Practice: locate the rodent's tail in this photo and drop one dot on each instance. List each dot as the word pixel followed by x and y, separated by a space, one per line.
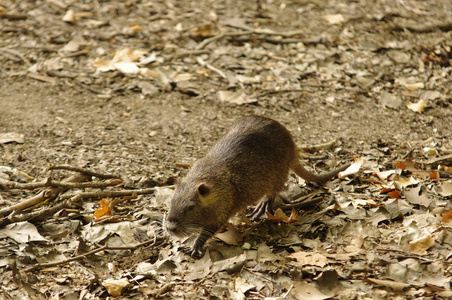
pixel 320 178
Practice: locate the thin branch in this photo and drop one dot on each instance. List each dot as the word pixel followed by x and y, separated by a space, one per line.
pixel 248 32
pixel 84 171
pixel 63 262
pixel 105 247
pixel 49 193
pixel 414 10
pixel 112 193
pixel 441 159
pixel 36 216
pixel 16 53
pixel 210 67
pixel 314 148
pixel 6 184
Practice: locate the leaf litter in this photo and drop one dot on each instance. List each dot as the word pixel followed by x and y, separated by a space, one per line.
pixel 381 231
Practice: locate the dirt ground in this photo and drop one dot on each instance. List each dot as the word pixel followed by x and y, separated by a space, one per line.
pixel 373 75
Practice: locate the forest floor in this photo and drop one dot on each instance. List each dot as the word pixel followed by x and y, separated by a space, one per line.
pixel 141 89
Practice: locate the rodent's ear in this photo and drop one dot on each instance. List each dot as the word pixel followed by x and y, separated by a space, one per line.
pixel 203 190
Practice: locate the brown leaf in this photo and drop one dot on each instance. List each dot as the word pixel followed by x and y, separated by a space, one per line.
pixel 309 258
pixel 397 286
pixel 105 209
pixel 394 194
pixel 400 165
pixel 421 245
pixel 231 236
pixel 280 216
pixel 446 218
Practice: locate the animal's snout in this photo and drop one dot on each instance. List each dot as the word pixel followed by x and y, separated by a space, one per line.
pixel 171 219
pixel 172 224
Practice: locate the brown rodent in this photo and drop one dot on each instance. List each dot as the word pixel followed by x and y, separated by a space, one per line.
pixel 251 161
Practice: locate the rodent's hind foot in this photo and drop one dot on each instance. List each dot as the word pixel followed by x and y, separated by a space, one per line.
pixel 258 212
pixel 191 251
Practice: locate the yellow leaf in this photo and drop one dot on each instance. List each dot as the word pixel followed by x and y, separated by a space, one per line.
pixel 417 107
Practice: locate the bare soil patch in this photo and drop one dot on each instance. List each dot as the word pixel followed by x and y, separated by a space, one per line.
pixel 373 75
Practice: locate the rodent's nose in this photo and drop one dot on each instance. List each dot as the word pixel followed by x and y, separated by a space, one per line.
pixel 171 226
pixel 171 219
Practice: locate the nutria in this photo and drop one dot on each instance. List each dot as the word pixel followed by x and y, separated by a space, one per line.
pixel 251 161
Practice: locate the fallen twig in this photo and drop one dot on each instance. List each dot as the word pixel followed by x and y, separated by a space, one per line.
pixel 15 17
pixel 181 54
pixel 38 77
pixel 84 171
pixel 16 53
pixel 440 159
pixel 210 67
pixel 6 184
pixel 36 216
pixel 122 193
pixel 314 148
pixel 414 10
pixel 46 194
pixel 105 247
pixel 254 31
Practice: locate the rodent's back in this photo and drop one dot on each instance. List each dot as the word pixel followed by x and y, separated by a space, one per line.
pixel 257 153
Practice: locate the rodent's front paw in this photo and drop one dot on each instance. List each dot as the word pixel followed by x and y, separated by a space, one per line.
pixel 193 252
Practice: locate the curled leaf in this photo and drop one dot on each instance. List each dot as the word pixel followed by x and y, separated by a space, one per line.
pixel 105 209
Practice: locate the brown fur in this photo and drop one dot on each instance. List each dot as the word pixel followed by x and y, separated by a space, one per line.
pixel 251 161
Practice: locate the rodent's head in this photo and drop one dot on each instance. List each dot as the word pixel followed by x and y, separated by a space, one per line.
pixel 193 207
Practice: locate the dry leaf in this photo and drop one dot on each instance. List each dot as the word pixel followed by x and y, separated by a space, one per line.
pixel 430 151
pixel 394 194
pixel 69 16
pixel 390 100
pixel 202 32
pixel 114 287
pixel 10 137
pixel 353 169
pixel 124 61
pixel 446 218
pixel 235 97
pixel 22 232
pixel 417 107
pixel 385 174
pixel 417 195
pixel 445 169
pixel 414 86
pixel 396 286
pixel 136 28
pixel 434 175
pixel 400 165
pixel 309 258
pixel 242 286
pixel 305 291
pixel 402 182
pixel 280 216
pixel 421 245
pixel 334 19
pixel 105 209
pixel 446 189
pixel 231 236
